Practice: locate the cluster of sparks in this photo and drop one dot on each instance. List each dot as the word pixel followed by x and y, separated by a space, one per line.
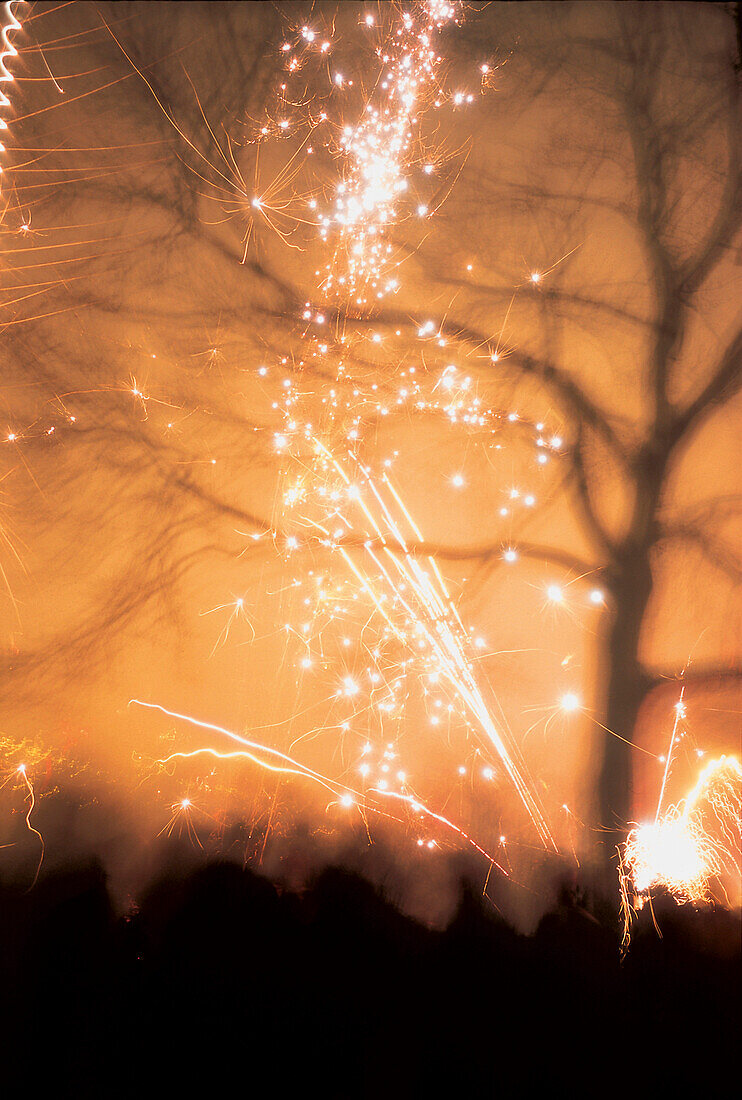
pixel 378 618
pixel 377 589
pixel 381 157
pixel 691 847
pixel 693 841
pixel 411 627
pixel 377 593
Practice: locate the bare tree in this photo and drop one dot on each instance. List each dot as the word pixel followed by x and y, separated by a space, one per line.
pixel 640 110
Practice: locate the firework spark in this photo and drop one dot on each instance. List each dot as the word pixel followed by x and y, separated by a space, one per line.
pixel 382 153
pixel 388 600
pixel 414 604
pixel 366 800
pixel 691 847
pixel 368 619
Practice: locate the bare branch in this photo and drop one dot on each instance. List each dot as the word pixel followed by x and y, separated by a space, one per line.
pixel 652 216
pixel 719 508
pixel 718 552
pixel 729 215
pixel 570 394
pixel 710 677
pixel 725 381
pixel 488 553
pixel 585 495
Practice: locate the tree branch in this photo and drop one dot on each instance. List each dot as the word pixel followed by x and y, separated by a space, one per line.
pixel 489 552
pixel 725 381
pixel 729 215
pixel 585 495
pixel 571 395
pixel 718 552
pixel 708 676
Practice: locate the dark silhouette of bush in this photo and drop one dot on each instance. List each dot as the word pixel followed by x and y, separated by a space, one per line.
pixel 220 982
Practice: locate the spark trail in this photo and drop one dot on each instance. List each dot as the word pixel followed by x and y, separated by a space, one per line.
pixel 10 27
pixel 22 772
pixel 415 604
pixel 272 760
pixel 394 602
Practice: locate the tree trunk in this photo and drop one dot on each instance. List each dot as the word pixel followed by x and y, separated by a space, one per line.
pixel 627 686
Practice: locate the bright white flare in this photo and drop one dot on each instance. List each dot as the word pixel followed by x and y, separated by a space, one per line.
pixel 698 840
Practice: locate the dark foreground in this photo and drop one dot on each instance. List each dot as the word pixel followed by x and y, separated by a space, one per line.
pixel 218 986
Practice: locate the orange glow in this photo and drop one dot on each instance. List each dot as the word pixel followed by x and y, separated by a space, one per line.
pixel 328 416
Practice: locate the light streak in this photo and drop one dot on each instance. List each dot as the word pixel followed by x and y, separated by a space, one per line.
pixel 419 807
pixel 263 755
pixel 10 26
pixel 412 601
pixel 679 713
pixel 273 760
pixel 22 772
